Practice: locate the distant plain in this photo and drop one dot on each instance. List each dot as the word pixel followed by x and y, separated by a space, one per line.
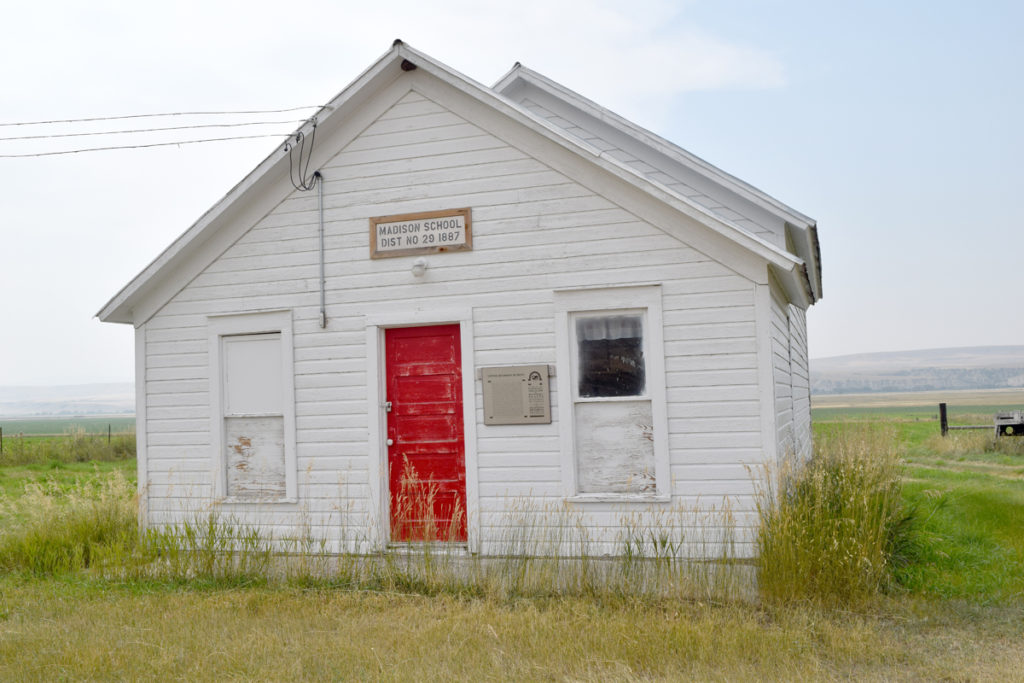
pixel 974 406
pixel 57 426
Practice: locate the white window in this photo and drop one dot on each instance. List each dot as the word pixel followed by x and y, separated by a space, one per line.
pixel 612 393
pixel 253 407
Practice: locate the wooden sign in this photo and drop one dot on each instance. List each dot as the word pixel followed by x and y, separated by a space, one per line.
pixel 421 233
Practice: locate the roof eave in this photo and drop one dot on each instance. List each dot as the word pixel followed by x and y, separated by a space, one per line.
pixel 796 284
pixel 815 249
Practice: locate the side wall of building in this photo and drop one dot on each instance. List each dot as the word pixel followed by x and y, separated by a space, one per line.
pixel 801 382
pixel 791 377
pixel 782 371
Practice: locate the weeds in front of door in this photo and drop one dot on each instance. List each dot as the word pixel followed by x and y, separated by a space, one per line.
pixel 419 513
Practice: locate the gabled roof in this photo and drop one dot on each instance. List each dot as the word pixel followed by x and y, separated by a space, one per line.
pixel 177 264
pixel 662 161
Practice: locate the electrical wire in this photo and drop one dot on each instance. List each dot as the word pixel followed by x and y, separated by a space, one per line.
pixel 149 130
pixel 299 180
pixel 142 146
pixel 175 113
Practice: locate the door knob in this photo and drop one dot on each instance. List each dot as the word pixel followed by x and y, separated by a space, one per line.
pixel 391 442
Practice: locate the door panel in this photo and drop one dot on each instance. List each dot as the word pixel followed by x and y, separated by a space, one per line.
pixel 427 455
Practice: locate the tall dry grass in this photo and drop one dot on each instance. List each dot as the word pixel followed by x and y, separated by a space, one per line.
pixel 538 551
pixel 834 528
pixel 831 531
pixel 962 443
pixel 61 630
pixel 51 529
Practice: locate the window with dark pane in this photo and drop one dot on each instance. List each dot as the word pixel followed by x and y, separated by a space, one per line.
pixel 611 354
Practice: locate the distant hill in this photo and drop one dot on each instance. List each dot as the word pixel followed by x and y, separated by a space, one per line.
pixel 77 399
pixel 975 367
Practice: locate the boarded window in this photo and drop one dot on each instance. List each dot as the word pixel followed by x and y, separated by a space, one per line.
pixel 253 391
pixel 615 447
pixel 614 427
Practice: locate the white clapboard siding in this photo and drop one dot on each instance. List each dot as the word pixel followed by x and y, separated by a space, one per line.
pixel 801 381
pixel 783 376
pixel 535 230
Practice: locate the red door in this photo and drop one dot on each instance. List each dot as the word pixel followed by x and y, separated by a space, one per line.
pixel 426 451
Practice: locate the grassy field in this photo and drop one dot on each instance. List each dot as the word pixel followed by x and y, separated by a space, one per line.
pixel 955 611
pixel 75 630
pixel 44 441
pixel 967 488
pixel 51 426
pixel 13 478
pixel 964 407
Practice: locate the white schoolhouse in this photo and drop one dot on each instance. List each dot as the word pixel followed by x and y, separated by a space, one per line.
pixel 499 296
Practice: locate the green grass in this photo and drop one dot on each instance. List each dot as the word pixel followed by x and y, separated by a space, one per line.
pixel 974 524
pixel 13 478
pixel 967 491
pixel 972 554
pixel 75 445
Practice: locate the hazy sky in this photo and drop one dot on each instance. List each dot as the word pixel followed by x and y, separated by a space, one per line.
pixel 896 125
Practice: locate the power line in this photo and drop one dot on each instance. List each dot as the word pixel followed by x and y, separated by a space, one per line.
pixel 175 113
pixel 148 130
pixel 152 144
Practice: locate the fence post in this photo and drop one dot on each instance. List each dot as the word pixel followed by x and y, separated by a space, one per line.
pixel 108 434
pixel 943 421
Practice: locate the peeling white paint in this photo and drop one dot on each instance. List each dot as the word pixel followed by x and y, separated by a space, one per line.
pixel 615 447
pixel 255 457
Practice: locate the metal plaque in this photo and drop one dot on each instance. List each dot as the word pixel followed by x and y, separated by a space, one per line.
pixel 516 395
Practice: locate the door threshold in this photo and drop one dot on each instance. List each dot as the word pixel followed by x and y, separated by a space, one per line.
pixel 428 548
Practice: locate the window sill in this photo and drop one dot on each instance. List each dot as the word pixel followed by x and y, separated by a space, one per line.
pixel 612 399
pixel 617 498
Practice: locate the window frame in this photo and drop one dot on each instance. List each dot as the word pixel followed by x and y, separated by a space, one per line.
pixel 244 324
pixel 571 305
